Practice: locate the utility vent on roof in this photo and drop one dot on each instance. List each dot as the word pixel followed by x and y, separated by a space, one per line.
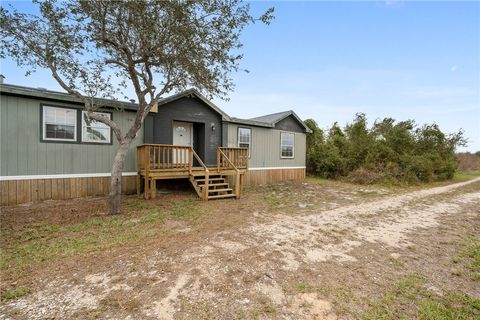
pixel 40 88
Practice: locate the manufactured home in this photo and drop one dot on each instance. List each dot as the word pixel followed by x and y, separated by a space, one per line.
pixel 49 150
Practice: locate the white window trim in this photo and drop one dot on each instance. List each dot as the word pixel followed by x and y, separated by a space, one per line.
pixel 44 125
pixel 84 139
pixel 293 146
pixel 249 141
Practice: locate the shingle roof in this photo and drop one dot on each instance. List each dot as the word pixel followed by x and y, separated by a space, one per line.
pixel 59 96
pixel 273 117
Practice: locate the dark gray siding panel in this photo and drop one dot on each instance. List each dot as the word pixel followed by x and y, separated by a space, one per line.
pixel 224 134
pixel 290 124
pixel 148 125
pixel 190 110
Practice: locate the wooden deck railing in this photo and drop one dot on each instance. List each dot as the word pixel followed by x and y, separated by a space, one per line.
pixel 238 157
pixel 156 157
pixel 166 157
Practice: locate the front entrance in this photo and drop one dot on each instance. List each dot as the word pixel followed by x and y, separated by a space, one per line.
pixel 182 136
pixel 182 133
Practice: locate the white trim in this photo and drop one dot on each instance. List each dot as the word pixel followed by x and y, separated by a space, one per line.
pixel 100 126
pixel 275 168
pixel 44 124
pixel 249 140
pixel 64 176
pixel 281 145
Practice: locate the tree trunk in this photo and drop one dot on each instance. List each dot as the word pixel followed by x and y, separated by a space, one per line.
pixel 116 180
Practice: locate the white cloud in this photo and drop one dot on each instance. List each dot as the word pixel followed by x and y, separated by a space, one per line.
pixel 454 68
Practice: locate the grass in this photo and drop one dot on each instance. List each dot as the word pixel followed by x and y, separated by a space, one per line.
pixel 453 306
pixel 15 293
pixel 459 176
pixel 273 201
pixel 466 175
pixel 45 242
pixel 470 257
pixel 343 298
pixel 409 299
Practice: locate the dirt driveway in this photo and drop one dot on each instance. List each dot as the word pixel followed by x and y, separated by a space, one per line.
pixel 308 258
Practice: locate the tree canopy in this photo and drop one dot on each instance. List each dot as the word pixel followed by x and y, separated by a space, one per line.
pixel 96 48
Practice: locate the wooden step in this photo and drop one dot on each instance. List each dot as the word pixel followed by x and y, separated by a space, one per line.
pixel 220 196
pixel 210 179
pixel 214 184
pixel 220 190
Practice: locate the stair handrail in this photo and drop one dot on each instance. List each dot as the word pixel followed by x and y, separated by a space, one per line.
pixel 228 160
pixel 238 179
pixel 205 168
pixel 205 188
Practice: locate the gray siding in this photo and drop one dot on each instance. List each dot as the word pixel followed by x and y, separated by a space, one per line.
pixel 265 150
pixel 289 124
pixel 22 153
pixel 159 128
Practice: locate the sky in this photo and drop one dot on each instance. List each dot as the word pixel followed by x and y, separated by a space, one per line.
pixel 330 60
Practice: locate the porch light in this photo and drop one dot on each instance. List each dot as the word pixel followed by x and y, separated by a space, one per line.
pixel 213 126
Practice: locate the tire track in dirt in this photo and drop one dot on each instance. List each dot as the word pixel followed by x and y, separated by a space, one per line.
pixel 214 269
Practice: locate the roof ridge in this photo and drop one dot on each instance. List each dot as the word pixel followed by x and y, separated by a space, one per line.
pixel 272 114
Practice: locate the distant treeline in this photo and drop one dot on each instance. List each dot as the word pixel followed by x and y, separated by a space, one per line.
pixel 468 161
pixel 388 151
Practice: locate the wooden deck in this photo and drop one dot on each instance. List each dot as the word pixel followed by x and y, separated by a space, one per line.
pixel 160 161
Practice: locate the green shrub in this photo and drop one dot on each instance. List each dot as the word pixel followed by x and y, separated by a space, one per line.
pixel 389 151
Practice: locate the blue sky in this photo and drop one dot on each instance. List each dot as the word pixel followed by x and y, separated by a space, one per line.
pixel 330 60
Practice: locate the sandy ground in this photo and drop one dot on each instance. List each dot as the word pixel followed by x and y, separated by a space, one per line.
pixel 249 271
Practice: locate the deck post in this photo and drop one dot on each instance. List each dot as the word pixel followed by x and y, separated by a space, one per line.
pixel 147 167
pixel 190 160
pixel 153 188
pixel 238 185
pixel 205 186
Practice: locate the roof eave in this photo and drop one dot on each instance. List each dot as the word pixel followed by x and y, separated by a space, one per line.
pixel 59 96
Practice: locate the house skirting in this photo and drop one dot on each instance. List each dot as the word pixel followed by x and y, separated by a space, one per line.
pixel 25 189
pixel 258 176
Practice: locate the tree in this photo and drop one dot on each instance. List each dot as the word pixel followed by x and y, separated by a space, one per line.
pixel 96 48
pixel 314 142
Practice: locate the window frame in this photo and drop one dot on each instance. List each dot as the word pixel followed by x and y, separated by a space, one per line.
pixel 281 145
pixel 43 131
pixel 82 141
pixel 249 142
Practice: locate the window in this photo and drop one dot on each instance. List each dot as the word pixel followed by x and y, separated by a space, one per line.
pixel 245 138
pixel 94 131
pixel 59 124
pixel 287 144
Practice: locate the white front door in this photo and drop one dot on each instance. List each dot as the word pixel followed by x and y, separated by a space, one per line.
pixel 182 136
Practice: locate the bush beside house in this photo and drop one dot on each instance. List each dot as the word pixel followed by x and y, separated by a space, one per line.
pixel 388 151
